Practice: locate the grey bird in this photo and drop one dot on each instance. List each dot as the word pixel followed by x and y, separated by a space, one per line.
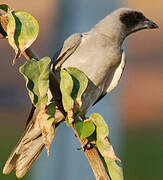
pixel 99 55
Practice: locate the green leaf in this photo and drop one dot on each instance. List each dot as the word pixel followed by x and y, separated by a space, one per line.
pixel 102 132
pixel 102 129
pixel 22 30
pixel 80 83
pixel 84 129
pixel 72 84
pixel 36 74
pixel 66 86
pixel 115 171
pixel 51 109
pixel 4 7
pixel 105 148
pixel 27 29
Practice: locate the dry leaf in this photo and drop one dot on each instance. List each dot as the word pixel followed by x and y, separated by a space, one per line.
pixel 47 129
pixel 108 150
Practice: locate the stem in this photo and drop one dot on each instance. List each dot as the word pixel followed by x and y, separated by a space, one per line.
pixel 29 53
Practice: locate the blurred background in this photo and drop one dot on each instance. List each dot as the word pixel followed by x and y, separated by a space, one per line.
pixel 134 111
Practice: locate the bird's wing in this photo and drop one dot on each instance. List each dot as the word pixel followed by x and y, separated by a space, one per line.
pixel 116 76
pixel 69 46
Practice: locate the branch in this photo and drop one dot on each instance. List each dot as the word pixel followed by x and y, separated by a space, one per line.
pixel 94 159
pixel 91 153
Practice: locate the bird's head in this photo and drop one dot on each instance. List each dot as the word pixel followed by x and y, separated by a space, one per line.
pixel 122 22
pixel 133 20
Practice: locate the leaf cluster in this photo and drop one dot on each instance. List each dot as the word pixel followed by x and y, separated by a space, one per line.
pixel 22 29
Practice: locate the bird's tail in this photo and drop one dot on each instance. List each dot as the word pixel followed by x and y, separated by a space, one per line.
pixel 27 149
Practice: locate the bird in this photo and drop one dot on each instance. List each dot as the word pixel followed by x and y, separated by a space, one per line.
pixel 99 54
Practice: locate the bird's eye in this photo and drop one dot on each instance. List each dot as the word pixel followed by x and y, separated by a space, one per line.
pixel 139 16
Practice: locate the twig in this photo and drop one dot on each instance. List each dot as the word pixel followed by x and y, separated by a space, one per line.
pixel 29 53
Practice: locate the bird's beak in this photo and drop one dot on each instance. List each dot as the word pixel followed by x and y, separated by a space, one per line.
pixel 150 24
